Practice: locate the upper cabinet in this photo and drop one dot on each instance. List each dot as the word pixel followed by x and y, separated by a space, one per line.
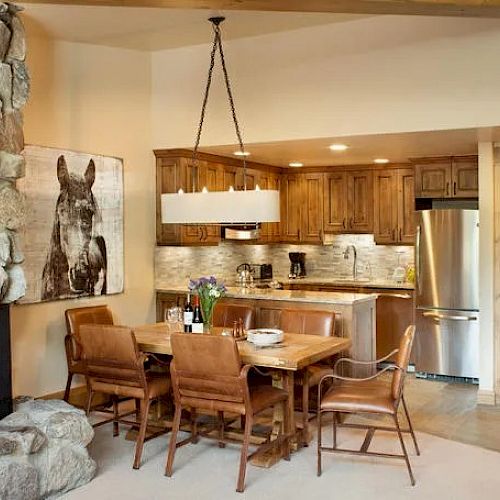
pixel 177 173
pixel 348 201
pixel 446 177
pixel 301 199
pixel 270 231
pixel 394 206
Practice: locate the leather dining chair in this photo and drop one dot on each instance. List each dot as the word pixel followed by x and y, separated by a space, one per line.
pixel 207 375
pixel 114 366
pixel 226 314
pixel 370 395
pixel 309 322
pixel 76 317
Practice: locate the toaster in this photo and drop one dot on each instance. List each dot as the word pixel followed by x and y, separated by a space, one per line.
pixel 262 271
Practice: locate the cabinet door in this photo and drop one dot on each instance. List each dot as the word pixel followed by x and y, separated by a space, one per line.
pixel 385 206
pixel 229 178
pixel 335 203
pixel 406 206
pixel 465 178
pixel 360 201
pixel 251 178
pixel 290 199
pixel 269 231
pixel 433 180
pixel 167 181
pixel 312 208
pixel 211 177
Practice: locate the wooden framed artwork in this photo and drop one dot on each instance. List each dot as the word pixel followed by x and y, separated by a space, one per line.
pixel 73 238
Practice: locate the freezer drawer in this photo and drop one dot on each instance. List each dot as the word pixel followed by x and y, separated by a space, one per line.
pixel 447 342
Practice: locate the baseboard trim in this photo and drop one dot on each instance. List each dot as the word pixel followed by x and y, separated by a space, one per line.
pixel 487 397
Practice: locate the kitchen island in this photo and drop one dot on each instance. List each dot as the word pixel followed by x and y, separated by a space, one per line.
pixel 355 312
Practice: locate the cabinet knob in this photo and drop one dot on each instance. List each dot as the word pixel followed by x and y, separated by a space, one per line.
pixel 454 188
pixel 447 189
pixel 400 234
pixel 343 223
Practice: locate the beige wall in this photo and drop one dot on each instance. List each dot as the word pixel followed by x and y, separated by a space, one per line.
pixel 96 100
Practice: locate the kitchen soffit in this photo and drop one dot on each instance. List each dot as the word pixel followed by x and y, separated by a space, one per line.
pixel 398 148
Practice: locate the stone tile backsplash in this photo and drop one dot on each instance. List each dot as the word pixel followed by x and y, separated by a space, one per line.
pixel 177 264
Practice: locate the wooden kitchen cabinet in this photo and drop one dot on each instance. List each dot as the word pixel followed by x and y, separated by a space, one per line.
pixel 173 174
pixel 301 198
pixel 348 201
pixel 270 231
pixel 446 177
pixel 465 175
pixel 394 206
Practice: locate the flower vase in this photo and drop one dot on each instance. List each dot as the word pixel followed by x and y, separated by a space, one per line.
pixel 207 310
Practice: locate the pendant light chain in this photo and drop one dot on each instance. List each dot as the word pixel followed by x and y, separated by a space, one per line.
pixel 217 44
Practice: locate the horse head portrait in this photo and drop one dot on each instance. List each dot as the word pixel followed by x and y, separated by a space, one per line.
pixel 76 263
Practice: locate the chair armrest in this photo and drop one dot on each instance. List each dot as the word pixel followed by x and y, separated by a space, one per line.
pixel 356 362
pixel 244 371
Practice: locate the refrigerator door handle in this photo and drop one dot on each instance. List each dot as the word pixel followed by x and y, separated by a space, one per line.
pixel 418 270
pixel 449 317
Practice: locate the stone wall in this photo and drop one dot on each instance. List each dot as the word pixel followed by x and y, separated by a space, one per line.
pixel 14 90
pixel 177 264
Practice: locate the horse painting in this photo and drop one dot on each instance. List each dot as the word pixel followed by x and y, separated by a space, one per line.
pixel 76 263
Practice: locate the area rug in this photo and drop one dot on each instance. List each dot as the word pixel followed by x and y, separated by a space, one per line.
pixel 445 470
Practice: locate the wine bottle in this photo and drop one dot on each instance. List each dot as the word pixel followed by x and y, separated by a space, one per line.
pixel 197 318
pixel 188 315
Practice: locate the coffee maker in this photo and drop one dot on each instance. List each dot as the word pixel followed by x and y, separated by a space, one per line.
pixel 297 264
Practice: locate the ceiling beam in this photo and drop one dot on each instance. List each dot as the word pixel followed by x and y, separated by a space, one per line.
pixel 464 8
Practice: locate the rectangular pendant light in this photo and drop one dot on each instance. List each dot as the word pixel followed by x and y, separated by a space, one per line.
pixel 221 207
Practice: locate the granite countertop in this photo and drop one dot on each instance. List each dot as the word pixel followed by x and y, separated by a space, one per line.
pixel 340 298
pixel 344 282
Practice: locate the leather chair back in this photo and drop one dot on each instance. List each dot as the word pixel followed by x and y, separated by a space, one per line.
pixel 226 314
pixel 206 372
pixel 111 355
pixel 402 360
pixel 100 315
pixel 308 322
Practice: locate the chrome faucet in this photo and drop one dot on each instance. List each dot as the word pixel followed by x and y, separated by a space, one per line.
pixel 355 255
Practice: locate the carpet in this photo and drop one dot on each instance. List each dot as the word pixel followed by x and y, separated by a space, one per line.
pixel 445 470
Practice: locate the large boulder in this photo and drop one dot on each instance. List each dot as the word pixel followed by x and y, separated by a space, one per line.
pixel 18 480
pixel 51 437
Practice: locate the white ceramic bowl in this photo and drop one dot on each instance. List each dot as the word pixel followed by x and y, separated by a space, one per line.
pixel 265 336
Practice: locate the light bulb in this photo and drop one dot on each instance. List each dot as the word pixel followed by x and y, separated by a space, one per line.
pixel 257 187
pixel 181 191
pixel 231 189
pixel 204 190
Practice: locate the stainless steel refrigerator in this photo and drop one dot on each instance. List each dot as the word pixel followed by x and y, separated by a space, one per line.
pixel 447 292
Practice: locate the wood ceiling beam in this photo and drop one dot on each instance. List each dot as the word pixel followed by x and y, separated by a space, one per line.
pixel 463 8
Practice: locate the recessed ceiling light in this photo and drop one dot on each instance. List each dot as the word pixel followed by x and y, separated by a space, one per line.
pixel 241 153
pixel 339 147
pixel 380 160
pixel 295 164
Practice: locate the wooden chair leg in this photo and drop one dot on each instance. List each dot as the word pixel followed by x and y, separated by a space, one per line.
pixel 142 432
pixel 173 440
pixel 305 409
pixel 403 448
pixel 68 387
pixel 222 444
pixel 320 414
pixel 116 417
pixel 417 450
pixel 244 454
pixel 138 410
pixel 194 426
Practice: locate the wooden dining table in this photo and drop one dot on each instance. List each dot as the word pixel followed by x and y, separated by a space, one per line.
pixel 297 351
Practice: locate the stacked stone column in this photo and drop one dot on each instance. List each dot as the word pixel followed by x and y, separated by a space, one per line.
pixel 14 91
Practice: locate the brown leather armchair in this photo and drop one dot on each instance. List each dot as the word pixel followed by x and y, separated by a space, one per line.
pixel 74 319
pixel 370 395
pixel 114 366
pixel 311 323
pixel 226 314
pixel 207 375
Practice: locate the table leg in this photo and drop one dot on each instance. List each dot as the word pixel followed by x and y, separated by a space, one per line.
pixel 283 379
